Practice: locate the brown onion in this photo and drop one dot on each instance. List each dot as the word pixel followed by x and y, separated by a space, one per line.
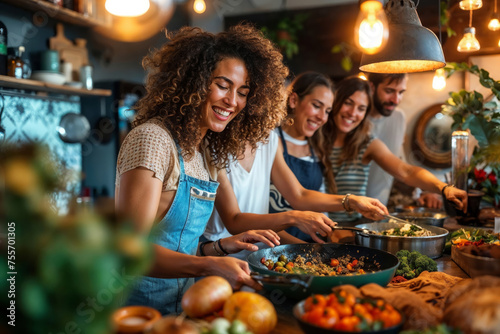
pixel 206 296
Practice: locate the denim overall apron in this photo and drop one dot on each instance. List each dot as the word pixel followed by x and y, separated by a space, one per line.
pixel 310 177
pixel 179 231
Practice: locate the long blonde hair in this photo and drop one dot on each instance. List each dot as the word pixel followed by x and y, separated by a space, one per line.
pixel 324 138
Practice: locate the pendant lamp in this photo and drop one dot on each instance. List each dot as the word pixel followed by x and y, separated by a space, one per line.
pixel 494 23
pixel 469 42
pixel 410 48
pixel 199 6
pixel 439 80
pixel 470 4
pixel 127 8
pixel 370 31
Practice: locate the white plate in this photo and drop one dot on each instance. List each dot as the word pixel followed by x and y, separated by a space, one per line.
pixel 49 77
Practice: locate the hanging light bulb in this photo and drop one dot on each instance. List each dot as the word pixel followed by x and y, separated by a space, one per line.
pixel 469 42
pixel 199 6
pixel 439 80
pixel 128 8
pixel 362 76
pixel 371 29
pixel 470 4
pixel 494 23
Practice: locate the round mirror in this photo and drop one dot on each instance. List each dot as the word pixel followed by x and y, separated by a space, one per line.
pixel 432 138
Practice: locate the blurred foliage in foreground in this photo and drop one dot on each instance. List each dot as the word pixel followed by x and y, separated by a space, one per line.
pixel 72 271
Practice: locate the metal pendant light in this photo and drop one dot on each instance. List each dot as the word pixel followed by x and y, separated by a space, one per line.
pixel 410 48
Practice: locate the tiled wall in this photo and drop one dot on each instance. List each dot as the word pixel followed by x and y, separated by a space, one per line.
pixel 30 118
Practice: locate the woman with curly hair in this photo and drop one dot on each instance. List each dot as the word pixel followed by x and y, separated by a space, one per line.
pixel 345 146
pixel 207 96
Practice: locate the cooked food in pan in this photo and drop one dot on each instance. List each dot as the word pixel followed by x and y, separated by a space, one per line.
pixel 408 230
pixel 343 265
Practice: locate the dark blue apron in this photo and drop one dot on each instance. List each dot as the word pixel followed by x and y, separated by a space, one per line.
pixel 310 176
pixel 179 231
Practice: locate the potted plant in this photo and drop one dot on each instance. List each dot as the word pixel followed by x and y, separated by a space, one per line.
pixel 285 33
pixel 470 111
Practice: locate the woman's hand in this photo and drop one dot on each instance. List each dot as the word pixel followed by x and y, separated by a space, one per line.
pixel 368 207
pixel 246 240
pixel 234 270
pixel 456 196
pixel 311 223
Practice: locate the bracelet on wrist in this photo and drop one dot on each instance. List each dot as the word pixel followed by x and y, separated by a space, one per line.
pixel 215 248
pixel 345 203
pixel 446 186
pixel 202 253
pixel 222 249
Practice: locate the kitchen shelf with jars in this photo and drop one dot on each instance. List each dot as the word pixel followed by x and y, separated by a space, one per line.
pixel 86 13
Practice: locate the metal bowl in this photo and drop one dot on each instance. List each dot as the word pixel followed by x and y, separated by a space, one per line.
pixel 420 215
pixel 432 246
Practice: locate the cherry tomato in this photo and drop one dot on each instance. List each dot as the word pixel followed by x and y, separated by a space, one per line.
pixel 334 262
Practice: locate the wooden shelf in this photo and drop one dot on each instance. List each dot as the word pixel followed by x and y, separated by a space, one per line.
pixel 10 82
pixel 57 12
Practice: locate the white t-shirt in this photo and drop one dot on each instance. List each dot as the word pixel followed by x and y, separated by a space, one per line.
pixel 251 188
pixel 391 131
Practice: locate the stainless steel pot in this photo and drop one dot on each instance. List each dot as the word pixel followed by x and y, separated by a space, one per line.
pixel 420 215
pixel 431 246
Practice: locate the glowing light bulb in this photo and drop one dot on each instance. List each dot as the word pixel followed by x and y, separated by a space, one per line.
pixel 469 43
pixel 199 6
pixel 371 30
pixel 362 76
pixel 494 23
pixel 439 80
pixel 470 4
pixel 128 8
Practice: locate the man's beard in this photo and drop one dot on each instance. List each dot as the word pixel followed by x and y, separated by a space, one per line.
pixel 379 106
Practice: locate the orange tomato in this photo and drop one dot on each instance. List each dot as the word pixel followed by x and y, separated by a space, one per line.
pixel 254 310
pixel 314 301
pixel 334 262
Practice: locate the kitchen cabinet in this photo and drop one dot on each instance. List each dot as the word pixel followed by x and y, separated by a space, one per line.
pixel 63 14
pixel 27 84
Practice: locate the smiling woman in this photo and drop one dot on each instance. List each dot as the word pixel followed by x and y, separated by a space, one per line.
pixel 206 96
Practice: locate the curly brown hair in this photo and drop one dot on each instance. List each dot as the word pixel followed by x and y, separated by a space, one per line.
pixel 179 76
pixel 323 139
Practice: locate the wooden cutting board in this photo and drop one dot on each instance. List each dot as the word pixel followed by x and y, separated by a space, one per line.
pixel 72 52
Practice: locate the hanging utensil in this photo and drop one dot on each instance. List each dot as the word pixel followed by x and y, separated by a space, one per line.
pixel 73 128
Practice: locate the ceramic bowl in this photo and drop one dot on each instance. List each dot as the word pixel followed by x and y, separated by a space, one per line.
pixel 49 77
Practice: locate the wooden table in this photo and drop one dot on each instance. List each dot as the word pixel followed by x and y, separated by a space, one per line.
pixel 284 305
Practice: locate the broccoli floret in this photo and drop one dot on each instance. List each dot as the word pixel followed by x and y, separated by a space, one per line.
pixel 423 263
pixel 414 256
pixel 402 253
pixel 412 264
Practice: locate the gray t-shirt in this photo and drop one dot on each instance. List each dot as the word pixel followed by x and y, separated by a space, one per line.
pixel 391 131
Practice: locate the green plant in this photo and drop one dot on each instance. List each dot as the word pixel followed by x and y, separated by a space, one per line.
pixel 66 273
pixel 444 18
pixel 470 111
pixel 285 33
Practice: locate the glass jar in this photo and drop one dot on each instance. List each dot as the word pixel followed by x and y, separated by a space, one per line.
pixel 459 158
pixel 15 65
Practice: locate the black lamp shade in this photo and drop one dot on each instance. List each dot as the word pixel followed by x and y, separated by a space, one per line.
pixel 410 48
